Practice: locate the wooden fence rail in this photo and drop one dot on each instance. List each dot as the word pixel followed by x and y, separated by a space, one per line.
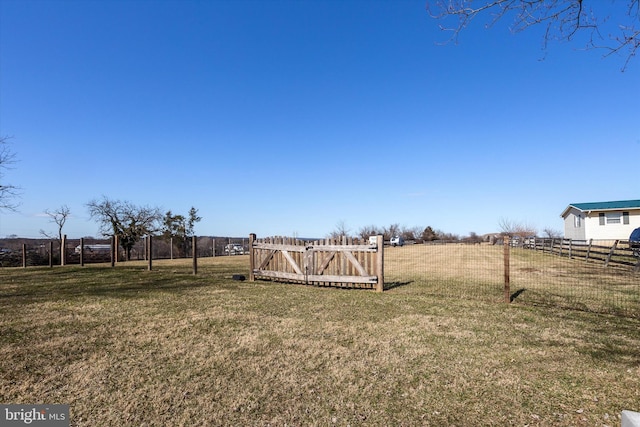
pixel 617 254
pixel 328 262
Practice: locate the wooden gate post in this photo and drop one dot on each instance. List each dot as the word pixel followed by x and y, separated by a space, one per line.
pixel 380 263
pixel 194 249
pixel 507 284
pixel 252 257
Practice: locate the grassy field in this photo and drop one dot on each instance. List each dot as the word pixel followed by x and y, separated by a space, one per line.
pixel 477 271
pixel 130 347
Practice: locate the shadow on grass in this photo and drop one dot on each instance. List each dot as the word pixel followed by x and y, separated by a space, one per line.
pixel 516 294
pixel 129 282
pixel 393 285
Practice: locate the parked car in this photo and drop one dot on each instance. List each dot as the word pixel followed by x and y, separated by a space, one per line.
pixel 397 241
pixel 634 242
pixel 234 249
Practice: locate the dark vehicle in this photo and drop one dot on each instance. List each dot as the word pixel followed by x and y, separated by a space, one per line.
pixel 634 242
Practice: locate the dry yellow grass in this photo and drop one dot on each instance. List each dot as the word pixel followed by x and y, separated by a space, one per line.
pixel 130 347
pixel 477 271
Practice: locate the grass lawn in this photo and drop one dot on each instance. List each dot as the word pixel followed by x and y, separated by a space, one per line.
pixel 129 347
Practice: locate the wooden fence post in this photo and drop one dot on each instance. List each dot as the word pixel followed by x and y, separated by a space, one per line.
pixel 252 257
pixel 588 250
pixel 82 252
pixel 112 241
pixel 194 249
pixel 63 250
pixel 613 249
pixel 570 248
pixel 116 245
pixel 507 280
pixel 50 253
pixel 149 247
pixel 380 263
pixel 24 255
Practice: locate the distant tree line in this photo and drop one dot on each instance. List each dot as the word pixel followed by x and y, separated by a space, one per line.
pixel 430 234
pixel 417 233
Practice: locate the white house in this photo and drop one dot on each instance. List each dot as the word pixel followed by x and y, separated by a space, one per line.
pixel 601 220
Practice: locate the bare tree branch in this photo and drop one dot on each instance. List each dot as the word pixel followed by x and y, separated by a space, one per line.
pixel 8 193
pixel 59 217
pixel 562 20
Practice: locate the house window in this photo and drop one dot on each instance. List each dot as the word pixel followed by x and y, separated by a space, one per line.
pixel 613 218
pixel 577 221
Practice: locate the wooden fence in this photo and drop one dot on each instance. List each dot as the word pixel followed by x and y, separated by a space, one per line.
pixel 328 262
pixel 616 254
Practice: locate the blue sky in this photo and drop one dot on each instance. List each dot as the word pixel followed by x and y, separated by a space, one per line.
pixel 289 117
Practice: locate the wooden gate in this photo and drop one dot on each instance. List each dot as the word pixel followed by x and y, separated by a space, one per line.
pixel 328 262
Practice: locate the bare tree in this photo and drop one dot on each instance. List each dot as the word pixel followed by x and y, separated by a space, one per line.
pixel 8 193
pixel 562 20
pixel 367 231
pixel 515 228
pixel 392 230
pixel 551 233
pixel 340 231
pixel 59 217
pixel 411 233
pixel 125 220
pixel 473 238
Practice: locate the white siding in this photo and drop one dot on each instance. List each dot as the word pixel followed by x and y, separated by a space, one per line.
pixel 610 231
pixel 574 228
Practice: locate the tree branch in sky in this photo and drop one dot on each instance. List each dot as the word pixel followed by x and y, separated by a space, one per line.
pixel 562 20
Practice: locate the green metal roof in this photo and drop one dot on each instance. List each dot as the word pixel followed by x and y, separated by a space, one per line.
pixel 604 206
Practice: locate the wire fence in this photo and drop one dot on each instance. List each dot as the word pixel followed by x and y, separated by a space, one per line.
pixel 42 252
pixel 601 277
pixel 528 276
